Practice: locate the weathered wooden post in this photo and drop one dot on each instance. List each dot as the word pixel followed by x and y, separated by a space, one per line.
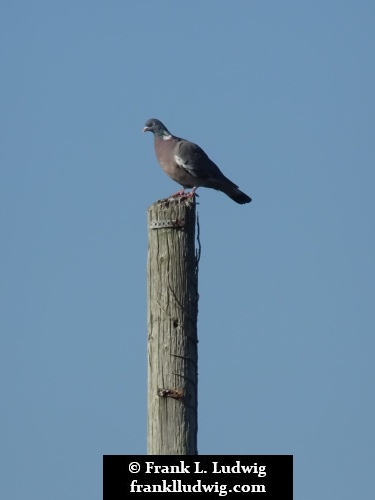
pixel 172 310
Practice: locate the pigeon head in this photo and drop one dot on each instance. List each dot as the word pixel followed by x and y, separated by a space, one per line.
pixel 156 127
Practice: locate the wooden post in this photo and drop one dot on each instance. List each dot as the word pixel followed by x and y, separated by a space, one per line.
pixel 172 289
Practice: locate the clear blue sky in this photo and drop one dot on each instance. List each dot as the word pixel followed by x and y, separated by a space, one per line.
pixel 280 94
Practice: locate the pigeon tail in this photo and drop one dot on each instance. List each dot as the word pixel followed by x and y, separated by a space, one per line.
pixel 236 195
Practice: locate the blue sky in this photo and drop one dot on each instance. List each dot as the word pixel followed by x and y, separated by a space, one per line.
pixel 281 97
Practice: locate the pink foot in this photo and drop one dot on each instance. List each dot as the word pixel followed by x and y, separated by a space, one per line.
pixel 181 192
pixel 191 193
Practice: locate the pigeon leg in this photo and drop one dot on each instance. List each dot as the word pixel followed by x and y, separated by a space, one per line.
pixel 191 193
pixel 181 192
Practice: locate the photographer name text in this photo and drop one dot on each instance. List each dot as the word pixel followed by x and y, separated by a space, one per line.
pixel 197 468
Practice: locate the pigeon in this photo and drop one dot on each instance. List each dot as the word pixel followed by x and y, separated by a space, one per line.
pixel 188 165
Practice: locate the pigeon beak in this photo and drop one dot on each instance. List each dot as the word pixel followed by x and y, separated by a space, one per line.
pixel 145 129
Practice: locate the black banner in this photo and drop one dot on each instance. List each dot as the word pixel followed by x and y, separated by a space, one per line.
pixel 232 476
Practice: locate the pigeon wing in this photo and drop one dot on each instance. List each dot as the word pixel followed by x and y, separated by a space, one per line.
pixel 195 161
